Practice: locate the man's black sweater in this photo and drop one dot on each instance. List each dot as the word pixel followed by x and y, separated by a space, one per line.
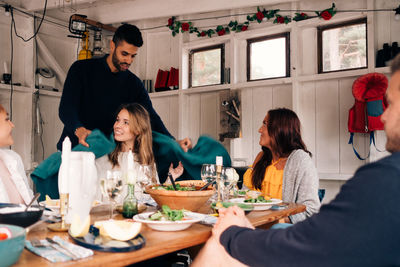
pixel 92 95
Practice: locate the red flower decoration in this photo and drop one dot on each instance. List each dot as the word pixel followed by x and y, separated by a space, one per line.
pixel 170 21
pixel 303 14
pixel 280 19
pixel 221 32
pixel 244 28
pixel 203 33
pixel 260 15
pixel 185 26
pixel 326 15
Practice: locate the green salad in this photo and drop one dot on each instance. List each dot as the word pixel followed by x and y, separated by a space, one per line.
pixel 259 199
pixel 178 188
pixel 167 214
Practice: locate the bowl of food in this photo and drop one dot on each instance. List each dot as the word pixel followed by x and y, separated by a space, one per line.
pixel 15 214
pixel 187 196
pixel 12 241
pixel 168 219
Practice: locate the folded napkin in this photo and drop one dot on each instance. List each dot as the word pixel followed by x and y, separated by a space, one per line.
pixel 54 255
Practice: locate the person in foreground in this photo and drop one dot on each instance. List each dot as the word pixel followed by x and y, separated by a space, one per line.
pixel 95 88
pixel 14 186
pixel 284 169
pixel 358 228
pixel 132 131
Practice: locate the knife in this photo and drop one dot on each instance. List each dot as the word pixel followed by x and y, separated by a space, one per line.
pixel 63 249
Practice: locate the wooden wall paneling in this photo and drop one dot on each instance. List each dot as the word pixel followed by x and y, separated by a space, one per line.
pixel 167 109
pixel 282 96
pixel 308 51
pixel 247 127
pixel 327 126
pixel 194 116
pixel 262 102
pixel 51 127
pixel 349 163
pixel 307 116
pixel 209 109
pixel 382 24
pixel 159 55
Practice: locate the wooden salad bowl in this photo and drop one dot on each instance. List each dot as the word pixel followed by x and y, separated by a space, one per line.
pixel 188 200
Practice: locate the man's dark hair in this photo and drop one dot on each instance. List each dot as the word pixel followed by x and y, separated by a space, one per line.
pixel 396 64
pixel 128 33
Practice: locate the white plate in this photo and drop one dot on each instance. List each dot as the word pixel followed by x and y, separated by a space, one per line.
pixel 258 206
pixel 169 225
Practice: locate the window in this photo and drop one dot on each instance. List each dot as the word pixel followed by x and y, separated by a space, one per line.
pixel 206 66
pixel 342 46
pixel 268 57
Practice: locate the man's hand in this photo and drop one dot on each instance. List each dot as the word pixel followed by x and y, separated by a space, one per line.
pixel 228 217
pixel 82 133
pixel 185 144
pixel 177 172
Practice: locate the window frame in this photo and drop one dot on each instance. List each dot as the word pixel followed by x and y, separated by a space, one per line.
pixel 320 30
pixel 202 49
pixel 285 35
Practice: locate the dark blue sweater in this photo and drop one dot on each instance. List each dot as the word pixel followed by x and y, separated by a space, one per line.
pixel 92 94
pixel 360 227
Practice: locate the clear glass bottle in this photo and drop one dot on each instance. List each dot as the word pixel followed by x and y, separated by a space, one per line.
pixel 129 207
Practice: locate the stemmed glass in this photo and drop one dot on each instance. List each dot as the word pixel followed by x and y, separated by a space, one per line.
pixel 111 187
pixel 230 178
pixel 208 172
pixel 146 176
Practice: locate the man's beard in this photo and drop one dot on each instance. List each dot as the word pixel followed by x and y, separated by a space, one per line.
pixel 393 144
pixel 117 64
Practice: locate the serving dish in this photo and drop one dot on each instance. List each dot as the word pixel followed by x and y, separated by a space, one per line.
pixel 188 200
pixel 194 217
pixel 258 206
pixel 95 241
pixel 20 217
pixel 12 247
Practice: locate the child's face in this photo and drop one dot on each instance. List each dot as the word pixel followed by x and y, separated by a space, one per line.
pixel 5 129
pixel 122 131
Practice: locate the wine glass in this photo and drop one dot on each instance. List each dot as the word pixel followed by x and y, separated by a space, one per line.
pixel 230 178
pixel 146 176
pixel 111 187
pixel 208 172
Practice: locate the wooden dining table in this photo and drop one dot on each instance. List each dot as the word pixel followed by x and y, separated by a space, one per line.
pixel 157 243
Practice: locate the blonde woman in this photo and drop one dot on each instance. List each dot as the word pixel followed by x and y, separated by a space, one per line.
pixel 132 131
pixel 14 186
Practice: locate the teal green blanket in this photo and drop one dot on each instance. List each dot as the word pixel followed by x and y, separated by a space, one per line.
pixel 166 150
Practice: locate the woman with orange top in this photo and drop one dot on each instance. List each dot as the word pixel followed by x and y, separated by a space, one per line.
pixel 284 169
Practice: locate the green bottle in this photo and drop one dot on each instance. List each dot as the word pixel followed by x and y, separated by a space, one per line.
pixel 130 207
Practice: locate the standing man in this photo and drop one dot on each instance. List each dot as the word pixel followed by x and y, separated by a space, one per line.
pixel 95 88
pixel 360 227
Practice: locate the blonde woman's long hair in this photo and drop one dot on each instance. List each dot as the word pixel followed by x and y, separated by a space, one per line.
pixel 140 127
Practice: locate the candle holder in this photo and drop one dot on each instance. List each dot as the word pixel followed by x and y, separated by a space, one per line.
pixel 218 182
pixel 61 226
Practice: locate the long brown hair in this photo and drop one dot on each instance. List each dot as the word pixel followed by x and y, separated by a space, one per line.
pixel 140 127
pixel 284 130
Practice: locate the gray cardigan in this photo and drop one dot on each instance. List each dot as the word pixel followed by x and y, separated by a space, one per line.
pixel 300 184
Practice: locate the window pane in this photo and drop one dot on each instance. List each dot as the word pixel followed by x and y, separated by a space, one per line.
pixel 344 48
pixel 268 59
pixel 206 69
